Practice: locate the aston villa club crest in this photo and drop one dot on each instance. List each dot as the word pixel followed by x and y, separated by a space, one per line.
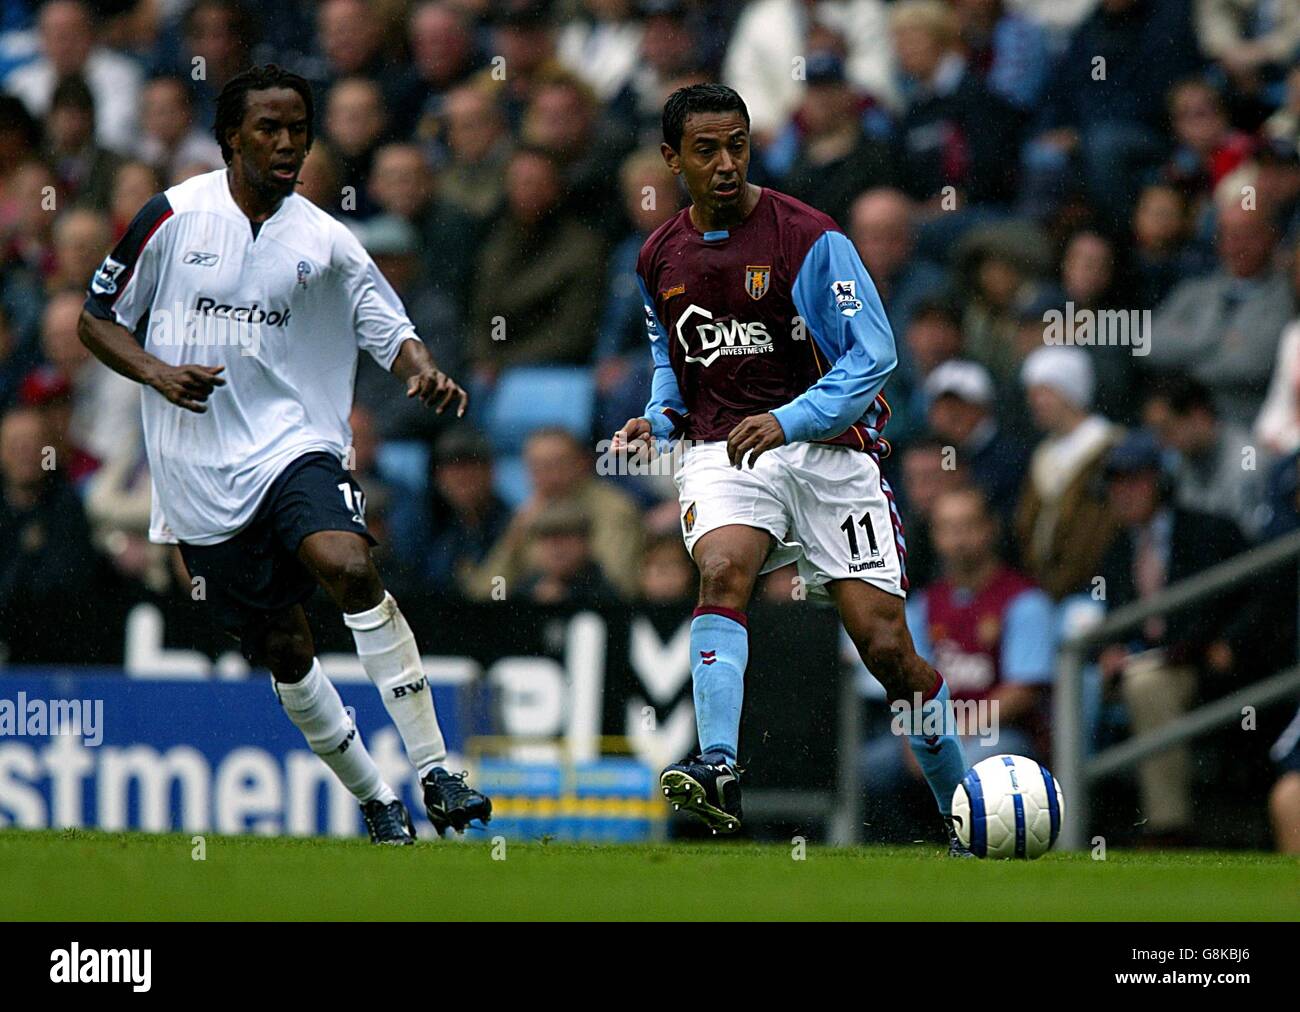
pixel 757 280
pixel 688 520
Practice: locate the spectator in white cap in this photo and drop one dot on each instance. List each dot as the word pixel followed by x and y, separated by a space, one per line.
pixel 1063 524
pixel 961 413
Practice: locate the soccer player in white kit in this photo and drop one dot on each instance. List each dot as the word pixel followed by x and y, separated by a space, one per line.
pixel 240 306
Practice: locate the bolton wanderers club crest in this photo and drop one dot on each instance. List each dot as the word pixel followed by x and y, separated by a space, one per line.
pixel 304 272
pixel 756 281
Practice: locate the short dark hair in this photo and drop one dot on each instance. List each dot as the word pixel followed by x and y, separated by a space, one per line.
pixel 940 305
pixel 1183 393
pixel 698 98
pixel 232 102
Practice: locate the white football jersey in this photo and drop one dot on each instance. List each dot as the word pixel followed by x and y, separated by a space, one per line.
pixel 284 312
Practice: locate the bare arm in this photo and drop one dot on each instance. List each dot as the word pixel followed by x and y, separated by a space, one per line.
pixel 186 386
pixel 425 380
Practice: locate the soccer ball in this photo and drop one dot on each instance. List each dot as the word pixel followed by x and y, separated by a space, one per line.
pixel 1008 806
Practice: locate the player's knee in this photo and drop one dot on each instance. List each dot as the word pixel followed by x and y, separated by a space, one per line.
pixel 287 654
pixel 886 653
pixel 351 578
pixel 1284 800
pixel 722 582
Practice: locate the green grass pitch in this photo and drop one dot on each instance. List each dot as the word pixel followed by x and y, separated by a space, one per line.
pixel 80 875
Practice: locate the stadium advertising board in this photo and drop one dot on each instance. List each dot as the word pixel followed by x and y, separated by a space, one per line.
pixel 566 716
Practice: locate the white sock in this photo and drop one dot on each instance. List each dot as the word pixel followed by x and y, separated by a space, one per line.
pixel 391 658
pixel 313 704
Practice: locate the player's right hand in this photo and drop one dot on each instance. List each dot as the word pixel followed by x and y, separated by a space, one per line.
pixel 636 431
pixel 188 386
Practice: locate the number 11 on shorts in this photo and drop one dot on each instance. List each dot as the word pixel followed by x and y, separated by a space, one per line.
pixel 358 506
pixel 865 523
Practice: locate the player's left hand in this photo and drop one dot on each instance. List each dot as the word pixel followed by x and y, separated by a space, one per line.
pixel 754 436
pixel 437 390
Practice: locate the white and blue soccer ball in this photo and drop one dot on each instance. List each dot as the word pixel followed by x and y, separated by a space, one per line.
pixel 1008 806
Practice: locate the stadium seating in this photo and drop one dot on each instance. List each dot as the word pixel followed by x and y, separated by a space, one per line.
pixel 531 397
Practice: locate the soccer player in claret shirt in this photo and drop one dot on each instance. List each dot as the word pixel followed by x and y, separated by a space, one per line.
pixel 771 349
pixel 240 307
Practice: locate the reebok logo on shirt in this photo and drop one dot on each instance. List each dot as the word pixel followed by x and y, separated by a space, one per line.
pixel 243 314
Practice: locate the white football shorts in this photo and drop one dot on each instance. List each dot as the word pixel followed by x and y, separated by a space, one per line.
pixel 828 507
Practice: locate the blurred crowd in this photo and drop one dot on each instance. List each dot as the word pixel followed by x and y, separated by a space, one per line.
pixel 1001 165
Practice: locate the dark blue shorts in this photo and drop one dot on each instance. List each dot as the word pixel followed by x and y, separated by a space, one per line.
pixel 1285 752
pixel 256 574
pixel 1289 762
